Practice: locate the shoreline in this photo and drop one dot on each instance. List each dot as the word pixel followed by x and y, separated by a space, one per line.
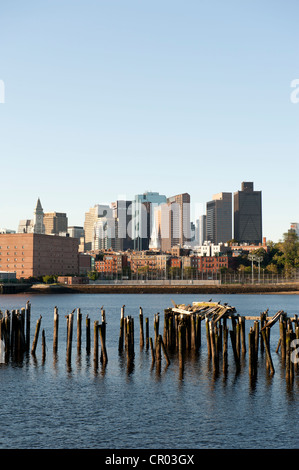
pixel 154 289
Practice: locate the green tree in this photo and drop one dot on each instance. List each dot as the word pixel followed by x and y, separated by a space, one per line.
pixel 287 256
pixel 93 275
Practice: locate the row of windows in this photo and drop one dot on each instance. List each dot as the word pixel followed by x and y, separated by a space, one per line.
pixel 15 247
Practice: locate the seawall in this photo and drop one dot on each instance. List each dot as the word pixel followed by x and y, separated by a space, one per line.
pixel 169 289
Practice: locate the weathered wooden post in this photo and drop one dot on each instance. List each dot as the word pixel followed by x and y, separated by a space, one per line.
pixel 96 342
pixel 214 349
pixel 146 333
pixel 267 349
pixel 243 334
pixel 224 353
pixel 20 340
pixel 122 330
pixel 156 327
pixel 288 355
pixel 263 319
pixel 104 357
pixel 141 339
pixel 35 339
pixel 152 350
pixel 87 330
pixel 198 331
pixel 193 332
pixel 238 336
pixel 256 338
pixel 282 333
pixel 7 332
pixel 55 335
pixel 252 352
pixel 165 352
pixel 13 330
pixel 208 336
pixel 69 319
pixel 233 342
pixel 79 330
pixel 158 349
pixel 43 346
pixel 28 321
pixel 102 332
pixel 181 343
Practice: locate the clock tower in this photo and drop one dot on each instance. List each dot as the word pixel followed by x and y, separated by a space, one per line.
pixel 38 219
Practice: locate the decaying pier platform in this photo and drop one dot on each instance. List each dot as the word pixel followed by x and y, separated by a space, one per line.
pixel 181 332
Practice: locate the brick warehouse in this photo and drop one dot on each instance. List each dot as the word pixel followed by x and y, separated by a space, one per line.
pixel 31 254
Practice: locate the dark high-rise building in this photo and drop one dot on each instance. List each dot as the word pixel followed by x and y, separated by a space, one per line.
pixel 219 218
pixel 122 212
pixel 248 214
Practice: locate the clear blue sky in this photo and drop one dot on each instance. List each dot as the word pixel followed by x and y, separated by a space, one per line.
pixel 105 99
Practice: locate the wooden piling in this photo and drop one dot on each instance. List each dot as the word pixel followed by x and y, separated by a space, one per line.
pixel 79 330
pixel 141 338
pixel 193 332
pixel 103 334
pixel 158 349
pixel 43 346
pixel 28 321
pixel 262 321
pixel 238 336
pixel 282 335
pixel 225 349
pixel 243 334
pixel 198 332
pixel 121 334
pixel 96 342
pixel 147 333
pixel 208 336
pixel 152 350
pixel 104 357
pixel 7 331
pixel 35 339
pixel 69 337
pixel 165 352
pixel 214 351
pixel 252 352
pixel 233 343
pixel 256 339
pixel 87 330
pixel 156 327
pixel 267 349
pixel 55 334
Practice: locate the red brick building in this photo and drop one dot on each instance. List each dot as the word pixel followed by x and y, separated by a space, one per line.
pixel 213 264
pixel 35 255
pixel 111 263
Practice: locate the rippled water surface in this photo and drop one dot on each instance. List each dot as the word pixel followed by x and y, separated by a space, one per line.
pixel 51 405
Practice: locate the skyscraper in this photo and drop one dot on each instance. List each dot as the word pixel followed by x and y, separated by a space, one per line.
pixel 200 230
pixel 180 228
pixel 122 212
pixel 142 218
pixel 55 223
pixel 91 218
pixel 219 218
pixel 248 215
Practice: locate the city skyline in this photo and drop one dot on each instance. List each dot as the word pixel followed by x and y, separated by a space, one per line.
pixel 108 208
pixel 165 96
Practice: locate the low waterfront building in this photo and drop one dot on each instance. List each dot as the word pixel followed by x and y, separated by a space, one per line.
pixel 35 255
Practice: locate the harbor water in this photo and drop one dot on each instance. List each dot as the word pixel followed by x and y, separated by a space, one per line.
pixel 54 405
